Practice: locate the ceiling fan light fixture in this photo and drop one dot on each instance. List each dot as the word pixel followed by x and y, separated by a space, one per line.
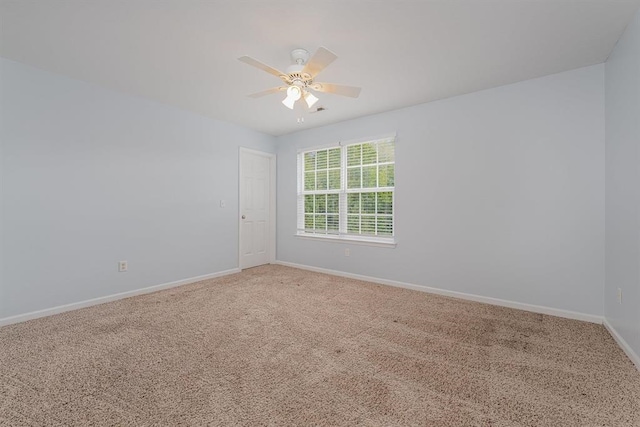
pixel 293 94
pixel 310 99
pixel 288 102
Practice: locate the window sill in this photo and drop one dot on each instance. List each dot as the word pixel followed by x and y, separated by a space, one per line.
pixel 350 240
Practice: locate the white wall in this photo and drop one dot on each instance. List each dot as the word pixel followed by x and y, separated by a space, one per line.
pixel 622 85
pixel 499 193
pixel 91 177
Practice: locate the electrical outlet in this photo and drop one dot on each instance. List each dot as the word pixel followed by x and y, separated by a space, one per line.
pixel 122 266
pixel 347 252
pixel 619 296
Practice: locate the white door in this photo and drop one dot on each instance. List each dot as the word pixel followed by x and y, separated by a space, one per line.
pixel 255 208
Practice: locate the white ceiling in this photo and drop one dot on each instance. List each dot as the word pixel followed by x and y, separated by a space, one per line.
pixel 184 52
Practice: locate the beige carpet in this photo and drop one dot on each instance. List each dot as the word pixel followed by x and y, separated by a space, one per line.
pixel 280 346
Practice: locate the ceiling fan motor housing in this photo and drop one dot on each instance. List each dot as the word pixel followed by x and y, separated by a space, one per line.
pixel 299 57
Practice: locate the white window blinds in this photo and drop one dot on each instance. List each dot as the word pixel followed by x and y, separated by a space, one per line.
pixel 348 191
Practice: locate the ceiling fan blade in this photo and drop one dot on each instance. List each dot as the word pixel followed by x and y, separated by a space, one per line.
pixel 264 67
pixel 350 91
pixel 268 92
pixel 319 61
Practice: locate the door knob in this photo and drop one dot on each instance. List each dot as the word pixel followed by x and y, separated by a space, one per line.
pixel 244 217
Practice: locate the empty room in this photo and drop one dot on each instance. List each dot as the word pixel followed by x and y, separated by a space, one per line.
pixel 329 213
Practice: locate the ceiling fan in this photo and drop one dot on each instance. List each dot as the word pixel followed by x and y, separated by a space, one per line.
pixel 299 78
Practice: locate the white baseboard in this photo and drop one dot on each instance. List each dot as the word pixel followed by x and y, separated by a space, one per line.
pixel 101 300
pixel 635 358
pixel 471 297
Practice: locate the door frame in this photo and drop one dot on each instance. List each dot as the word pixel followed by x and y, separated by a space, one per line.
pixel 272 203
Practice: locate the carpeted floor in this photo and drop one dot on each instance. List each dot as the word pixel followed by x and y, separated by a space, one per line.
pixel 280 346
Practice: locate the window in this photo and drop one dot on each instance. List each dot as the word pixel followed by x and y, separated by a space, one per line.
pixel 347 191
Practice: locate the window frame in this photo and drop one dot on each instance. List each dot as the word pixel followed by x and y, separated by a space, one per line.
pixel 342 234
